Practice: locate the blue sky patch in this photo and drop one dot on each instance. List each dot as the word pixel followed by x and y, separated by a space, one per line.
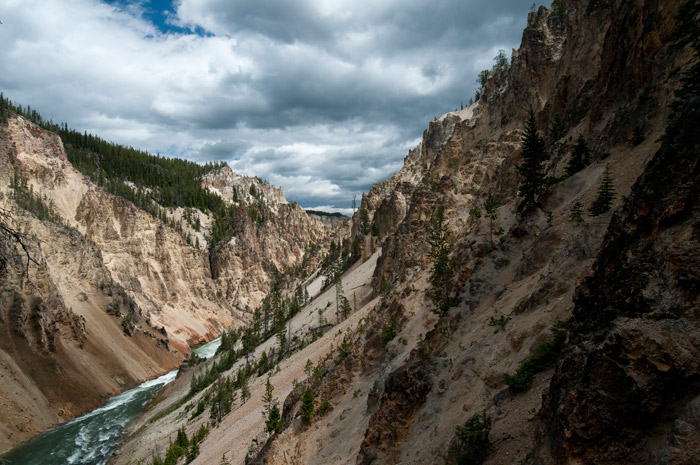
pixel 158 12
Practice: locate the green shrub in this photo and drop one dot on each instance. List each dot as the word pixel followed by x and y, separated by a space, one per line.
pixel 390 330
pixel 472 441
pixel 575 214
pixel 544 356
pixel 307 406
pixel 500 322
pixel 324 408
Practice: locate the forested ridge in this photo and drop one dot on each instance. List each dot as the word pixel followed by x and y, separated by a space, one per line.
pixel 152 182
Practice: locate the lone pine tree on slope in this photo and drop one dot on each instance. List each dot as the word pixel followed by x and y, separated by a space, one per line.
pixel 532 167
pixel 440 247
pixel 580 157
pixel 606 194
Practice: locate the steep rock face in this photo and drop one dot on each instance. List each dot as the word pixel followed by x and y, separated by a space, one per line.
pixel 590 68
pixel 63 353
pixel 280 237
pixel 247 188
pixel 405 389
pixel 332 222
pixel 626 389
pixel 80 325
pixel 601 69
pixel 168 280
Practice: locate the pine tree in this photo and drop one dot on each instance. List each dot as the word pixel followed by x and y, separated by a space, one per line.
pixel 3 108
pixel 606 194
pixel 576 213
pixel 273 424
pixel 440 247
pixel 245 390
pixel 268 398
pixel 181 439
pixel 364 220
pixel 532 168
pixel 193 452
pixel 345 308
pixel 490 206
pixel 339 297
pixel 355 251
pixel 282 340
pixel 501 60
pixel 687 32
pixel 307 406
pixel 222 398
pixel 580 157
pixel 557 146
pixel 558 13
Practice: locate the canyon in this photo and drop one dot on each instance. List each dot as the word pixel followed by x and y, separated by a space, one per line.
pixel 113 295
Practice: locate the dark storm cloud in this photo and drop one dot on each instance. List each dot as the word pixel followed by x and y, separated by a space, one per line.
pixel 323 98
pixel 222 150
pixel 319 71
pixel 286 21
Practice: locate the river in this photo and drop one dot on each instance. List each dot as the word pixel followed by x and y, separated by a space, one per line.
pixel 92 438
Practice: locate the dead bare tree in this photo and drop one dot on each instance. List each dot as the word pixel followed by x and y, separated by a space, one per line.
pixel 10 237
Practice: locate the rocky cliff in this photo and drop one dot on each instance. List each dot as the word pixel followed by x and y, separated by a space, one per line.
pixel 605 71
pixel 272 238
pixel 71 334
pixel 626 388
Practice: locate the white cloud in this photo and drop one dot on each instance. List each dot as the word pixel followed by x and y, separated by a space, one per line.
pixel 321 97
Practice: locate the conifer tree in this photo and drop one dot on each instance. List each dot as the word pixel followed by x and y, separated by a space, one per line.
pixel 307 406
pixel 273 424
pixel 268 398
pixel 687 32
pixel 606 194
pixel 3 108
pixel 222 398
pixel 181 439
pixel 345 308
pixel 532 167
pixel 558 13
pixel 245 390
pixel 580 157
pixel 440 247
pixel 576 213
pixel 556 144
pixel 490 206
pixel 364 220
pixel 193 452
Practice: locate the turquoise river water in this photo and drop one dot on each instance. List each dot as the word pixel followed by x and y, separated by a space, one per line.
pixel 92 438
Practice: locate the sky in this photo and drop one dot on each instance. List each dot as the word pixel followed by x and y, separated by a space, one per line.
pixel 321 97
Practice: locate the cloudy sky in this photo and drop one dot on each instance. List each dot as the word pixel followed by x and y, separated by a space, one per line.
pixel 322 97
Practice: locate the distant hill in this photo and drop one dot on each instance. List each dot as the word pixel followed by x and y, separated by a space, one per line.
pixel 330 215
